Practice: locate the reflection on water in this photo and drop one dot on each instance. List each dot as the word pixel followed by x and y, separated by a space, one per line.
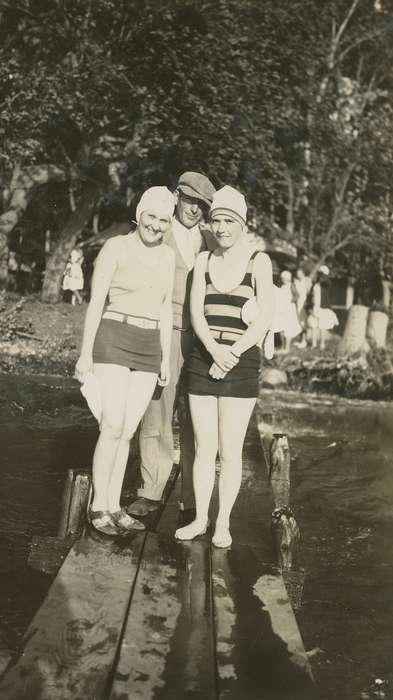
pixel 342 494
pixel 44 430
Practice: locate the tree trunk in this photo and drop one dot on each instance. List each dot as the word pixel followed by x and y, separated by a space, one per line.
pixel 354 338
pixel 22 191
pixel 57 261
pixel 377 327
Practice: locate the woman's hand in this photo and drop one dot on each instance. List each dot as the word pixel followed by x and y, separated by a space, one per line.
pixel 164 376
pixel 83 366
pixel 223 357
pixel 216 372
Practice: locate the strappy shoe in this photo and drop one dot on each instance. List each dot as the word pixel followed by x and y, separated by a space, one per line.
pixel 125 521
pixel 190 532
pixel 101 520
pixel 143 506
pixel 222 538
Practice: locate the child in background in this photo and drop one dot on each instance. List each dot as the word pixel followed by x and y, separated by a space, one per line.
pixel 73 276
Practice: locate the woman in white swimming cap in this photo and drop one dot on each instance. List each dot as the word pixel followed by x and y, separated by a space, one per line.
pixel 126 346
pixel 231 310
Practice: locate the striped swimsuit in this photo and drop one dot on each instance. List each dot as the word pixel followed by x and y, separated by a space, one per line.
pixel 223 315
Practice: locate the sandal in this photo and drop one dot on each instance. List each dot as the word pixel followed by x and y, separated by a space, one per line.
pixel 125 521
pixel 102 521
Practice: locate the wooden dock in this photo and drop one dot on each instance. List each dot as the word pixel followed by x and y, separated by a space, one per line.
pixel 148 617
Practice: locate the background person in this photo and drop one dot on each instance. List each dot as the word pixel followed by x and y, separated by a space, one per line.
pixel 302 284
pixel 127 345
pixel 73 280
pixel 194 195
pixel 321 318
pixel 224 366
pixel 286 302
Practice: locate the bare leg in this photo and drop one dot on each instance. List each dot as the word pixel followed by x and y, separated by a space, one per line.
pixel 140 390
pixel 205 422
pixel 113 381
pixel 322 341
pixel 233 416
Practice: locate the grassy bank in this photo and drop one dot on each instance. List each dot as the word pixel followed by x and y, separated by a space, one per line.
pixel 41 338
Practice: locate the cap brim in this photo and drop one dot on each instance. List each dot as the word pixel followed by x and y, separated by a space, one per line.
pixel 233 214
pixel 187 189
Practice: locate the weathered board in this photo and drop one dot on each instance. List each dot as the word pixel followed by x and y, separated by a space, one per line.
pixel 168 521
pixel 167 651
pixel 70 645
pixel 260 653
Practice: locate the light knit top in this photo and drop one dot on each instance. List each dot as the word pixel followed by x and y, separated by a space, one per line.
pixel 183 270
pixel 136 288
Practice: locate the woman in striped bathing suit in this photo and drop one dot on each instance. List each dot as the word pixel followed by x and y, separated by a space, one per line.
pixel 224 366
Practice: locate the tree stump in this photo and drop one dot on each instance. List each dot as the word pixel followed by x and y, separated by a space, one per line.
pixel 48 553
pixel 354 338
pixel 377 328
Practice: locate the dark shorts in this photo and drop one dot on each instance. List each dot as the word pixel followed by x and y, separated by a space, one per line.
pixel 239 382
pixel 119 343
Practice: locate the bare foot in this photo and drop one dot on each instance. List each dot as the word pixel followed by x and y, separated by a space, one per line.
pixel 222 537
pixel 189 532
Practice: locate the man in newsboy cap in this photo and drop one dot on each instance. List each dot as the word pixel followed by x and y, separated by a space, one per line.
pixel 194 195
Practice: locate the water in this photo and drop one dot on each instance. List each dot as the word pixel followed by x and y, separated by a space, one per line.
pixel 342 494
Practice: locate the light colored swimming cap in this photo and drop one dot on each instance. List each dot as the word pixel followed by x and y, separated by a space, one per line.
pixel 230 200
pixel 157 199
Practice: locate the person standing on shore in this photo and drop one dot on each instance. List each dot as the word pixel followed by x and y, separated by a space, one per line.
pixel 224 365
pixel 126 347
pixel 194 194
pixel 321 318
pixel 73 280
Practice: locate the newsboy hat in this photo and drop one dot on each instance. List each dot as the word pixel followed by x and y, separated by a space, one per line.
pixel 196 185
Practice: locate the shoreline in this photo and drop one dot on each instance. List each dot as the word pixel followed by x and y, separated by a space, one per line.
pixel 43 340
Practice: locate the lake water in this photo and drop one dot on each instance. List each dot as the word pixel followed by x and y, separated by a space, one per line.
pixel 342 494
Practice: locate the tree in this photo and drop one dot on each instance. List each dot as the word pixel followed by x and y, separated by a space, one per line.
pixel 281 101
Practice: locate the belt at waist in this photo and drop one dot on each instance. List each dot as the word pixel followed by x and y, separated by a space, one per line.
pixel 139 321
pixel 225 335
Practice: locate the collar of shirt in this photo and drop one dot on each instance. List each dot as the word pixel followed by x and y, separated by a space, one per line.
pixel 188 241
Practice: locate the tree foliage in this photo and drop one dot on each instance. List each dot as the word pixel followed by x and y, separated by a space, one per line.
pixel 291 102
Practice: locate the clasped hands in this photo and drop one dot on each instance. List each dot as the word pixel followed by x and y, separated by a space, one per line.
pixel 223 361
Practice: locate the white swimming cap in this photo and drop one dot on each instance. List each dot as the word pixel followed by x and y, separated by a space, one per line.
pixel 157 199
pixel 230 200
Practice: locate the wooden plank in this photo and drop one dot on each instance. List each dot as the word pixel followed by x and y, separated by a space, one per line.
pixel 168 521
pixel 69 647
pixel 260 652
pixel 47 553
pixel 167 649
pixel 154 518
